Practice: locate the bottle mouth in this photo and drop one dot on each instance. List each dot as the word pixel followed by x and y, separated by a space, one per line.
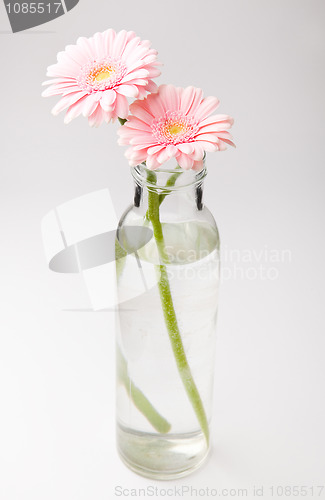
pixel 170 176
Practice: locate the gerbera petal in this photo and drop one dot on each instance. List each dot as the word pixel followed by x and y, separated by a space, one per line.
pixel 187 99
pixel 127 90
pixel 108 99
pixel 198 152
pixel 121 106
pixel 142 139
pixel 137 110
pixel 186 148
pixel 155 149
pixel 209 146
pixel 67 101
pixel 96 118
pixel 129 49
pixel 173 122
pixel 90 104
pixel 119 43
pixel 185 161
pixel 197 99
pixel 74 111
pixel 165 154
pixel 208 105
pixel 216 119
pixel 109 37
pixel 85 45
pixel 227 141
pixel 206 137
pixel 169 95
pixel 59 89
pixel 152 162
pixel 111 66
pixel 198 165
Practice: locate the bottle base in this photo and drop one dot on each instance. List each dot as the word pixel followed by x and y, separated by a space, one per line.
pixel 161 456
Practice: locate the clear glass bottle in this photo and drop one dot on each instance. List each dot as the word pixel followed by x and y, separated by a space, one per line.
pixel 167 258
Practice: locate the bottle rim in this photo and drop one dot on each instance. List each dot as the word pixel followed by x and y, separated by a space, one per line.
pixel 190 177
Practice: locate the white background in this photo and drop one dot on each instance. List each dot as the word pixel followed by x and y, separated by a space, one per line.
pixel 265 62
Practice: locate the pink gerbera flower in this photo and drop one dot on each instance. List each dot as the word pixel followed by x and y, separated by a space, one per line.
pixel 95 76
pixel 174 122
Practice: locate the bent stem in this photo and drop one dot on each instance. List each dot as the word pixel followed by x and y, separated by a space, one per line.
pixel 139 399
pixel 169 311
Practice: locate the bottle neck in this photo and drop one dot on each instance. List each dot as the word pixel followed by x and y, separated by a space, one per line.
pixel 175 183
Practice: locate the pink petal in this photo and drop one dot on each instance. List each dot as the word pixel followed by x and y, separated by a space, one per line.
pixel 217 119
pixel 186 148
pixel 153 72
pixel 108 99
pixel 74 111
pixel 96 118
pixel 137 110
pixel 129 49
pixel 90 104
pixel 163 156
pixel 138 156
pixel 119 43
pixel 168 94
pixel 152 162
pixel 59 81
pixel 222 146
pixel 60 89
pixel 77 55
pixel 121 106
pixel 151 86
pixel 127 90
pixel 142 139
pixel 227 141
pixel 155 149
pixel 109 37
pixel 99 47
pixel 207 107
pixel 187 98
pixel 197 99
pixel 198 165
pixel 85 46
pixel 172 150
pixel 67 101
pixel 198 152
pixel 209 146
pixel 185 161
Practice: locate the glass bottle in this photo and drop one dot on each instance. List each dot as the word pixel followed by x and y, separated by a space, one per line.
pixel 167 261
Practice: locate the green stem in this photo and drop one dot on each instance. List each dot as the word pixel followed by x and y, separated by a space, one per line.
pixel 170 183
pixel 139 399
pixel 169 311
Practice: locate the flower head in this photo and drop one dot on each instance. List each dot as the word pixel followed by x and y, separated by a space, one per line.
pixel 174 122
pixel 95 76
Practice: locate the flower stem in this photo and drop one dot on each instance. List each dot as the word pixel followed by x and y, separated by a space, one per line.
pixel 170 183
pixel 139 399
pixel 169 311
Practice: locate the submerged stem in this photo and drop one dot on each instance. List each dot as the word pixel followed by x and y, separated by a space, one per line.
pixel 169 311
pixel 139 399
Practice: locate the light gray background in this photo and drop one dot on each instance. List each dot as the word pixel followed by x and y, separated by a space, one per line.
pixel 264 60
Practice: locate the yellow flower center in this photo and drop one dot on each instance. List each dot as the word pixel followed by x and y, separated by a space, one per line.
pixel 175 128
pixel 103 73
